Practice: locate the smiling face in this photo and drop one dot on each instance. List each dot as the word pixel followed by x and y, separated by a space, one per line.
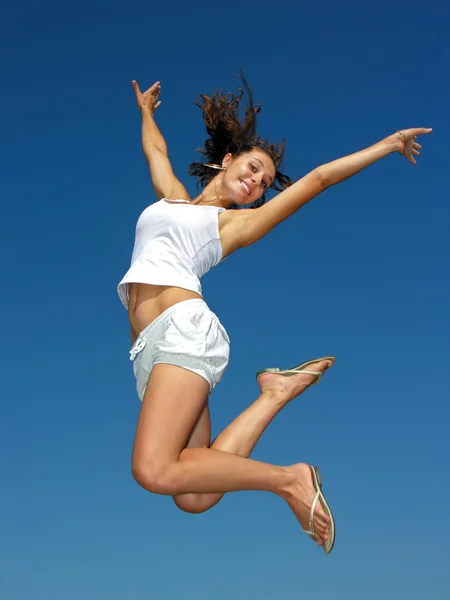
pixel 247 176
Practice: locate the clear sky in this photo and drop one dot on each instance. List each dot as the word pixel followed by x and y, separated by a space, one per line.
pixel 362 272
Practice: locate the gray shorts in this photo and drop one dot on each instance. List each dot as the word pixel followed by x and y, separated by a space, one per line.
pixel 188 335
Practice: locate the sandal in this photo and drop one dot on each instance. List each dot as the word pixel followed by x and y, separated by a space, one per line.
pixel 317 480
pixel 299 368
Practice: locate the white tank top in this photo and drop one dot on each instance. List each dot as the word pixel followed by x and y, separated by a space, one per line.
pixel 176 243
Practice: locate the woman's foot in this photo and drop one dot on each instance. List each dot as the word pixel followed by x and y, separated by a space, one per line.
pixel 300 496
pixel 288 388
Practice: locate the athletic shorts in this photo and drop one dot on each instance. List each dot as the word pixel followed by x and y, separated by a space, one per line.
pixel 188 335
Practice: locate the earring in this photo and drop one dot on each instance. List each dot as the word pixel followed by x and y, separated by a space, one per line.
pixel 213 166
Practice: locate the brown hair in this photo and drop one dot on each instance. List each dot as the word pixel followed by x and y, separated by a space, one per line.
pixel 228 134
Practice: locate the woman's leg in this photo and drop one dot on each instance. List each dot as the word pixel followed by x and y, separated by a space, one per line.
pixel 242 435
pixel 172 405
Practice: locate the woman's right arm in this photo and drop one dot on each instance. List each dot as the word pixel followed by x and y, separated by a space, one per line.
pixel 165 184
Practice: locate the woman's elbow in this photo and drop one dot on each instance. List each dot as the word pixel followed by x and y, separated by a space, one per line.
pixel 323 178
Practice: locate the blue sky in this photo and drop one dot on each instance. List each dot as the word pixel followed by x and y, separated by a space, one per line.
pixel 362 272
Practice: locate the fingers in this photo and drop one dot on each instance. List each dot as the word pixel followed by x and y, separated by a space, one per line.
pixel 152 94
pixel 419 131
pixel 423 130
pixel 414 132
pixel 136 89
pixel 411 147
pixel 156 87
pixel 410 150
pixel 148 99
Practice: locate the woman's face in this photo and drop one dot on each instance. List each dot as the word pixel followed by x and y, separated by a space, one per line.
pixel 247 176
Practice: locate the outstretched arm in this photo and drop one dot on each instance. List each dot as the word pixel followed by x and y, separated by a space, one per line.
pixel 165 184
pixel 260 221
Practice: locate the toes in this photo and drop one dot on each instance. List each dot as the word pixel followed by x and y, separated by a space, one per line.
pixel 320 541
pixel 320 516
pixel 323 365
pixel 321 524
pixel 320 530
pixel 322 519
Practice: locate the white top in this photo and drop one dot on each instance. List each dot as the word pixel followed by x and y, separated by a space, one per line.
pixel 176 243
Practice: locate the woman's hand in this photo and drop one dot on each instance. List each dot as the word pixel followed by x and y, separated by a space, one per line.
pixel 408 145
pixel 149 99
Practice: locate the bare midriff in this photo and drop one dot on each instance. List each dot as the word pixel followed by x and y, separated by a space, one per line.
pixel 146 302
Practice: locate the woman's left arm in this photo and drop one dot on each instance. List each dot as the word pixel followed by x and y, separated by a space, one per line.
pixel 260 221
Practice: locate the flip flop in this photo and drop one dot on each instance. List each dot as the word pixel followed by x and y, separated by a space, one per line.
pixel 317 480
pixel 299 368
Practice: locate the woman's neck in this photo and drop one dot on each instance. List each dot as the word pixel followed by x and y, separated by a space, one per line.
pixel 211 195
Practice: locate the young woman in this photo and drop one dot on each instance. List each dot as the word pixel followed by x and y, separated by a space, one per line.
pixel 180 349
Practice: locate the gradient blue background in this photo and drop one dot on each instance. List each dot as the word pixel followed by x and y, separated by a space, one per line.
pixel 362 272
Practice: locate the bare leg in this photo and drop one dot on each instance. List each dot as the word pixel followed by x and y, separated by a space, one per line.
pixel 172 404
pixel 242 435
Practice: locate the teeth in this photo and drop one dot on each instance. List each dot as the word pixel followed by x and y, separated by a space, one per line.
pixel 245 186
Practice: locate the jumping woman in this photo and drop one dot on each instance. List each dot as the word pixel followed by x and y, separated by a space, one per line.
pixel 179 347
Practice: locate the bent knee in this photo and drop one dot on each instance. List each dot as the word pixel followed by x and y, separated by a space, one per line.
pixel 153 478
pixel 196 503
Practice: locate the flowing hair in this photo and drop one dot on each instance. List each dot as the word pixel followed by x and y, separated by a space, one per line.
pixel 228 133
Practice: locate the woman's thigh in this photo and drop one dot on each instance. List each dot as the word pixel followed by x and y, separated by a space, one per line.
pixel 200 436
pixel 172 414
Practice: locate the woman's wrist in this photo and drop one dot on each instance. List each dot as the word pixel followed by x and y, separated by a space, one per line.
pixel 147 113
pixel 397 142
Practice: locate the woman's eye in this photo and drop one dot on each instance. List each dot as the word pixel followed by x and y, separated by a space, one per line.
pixel 254 169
